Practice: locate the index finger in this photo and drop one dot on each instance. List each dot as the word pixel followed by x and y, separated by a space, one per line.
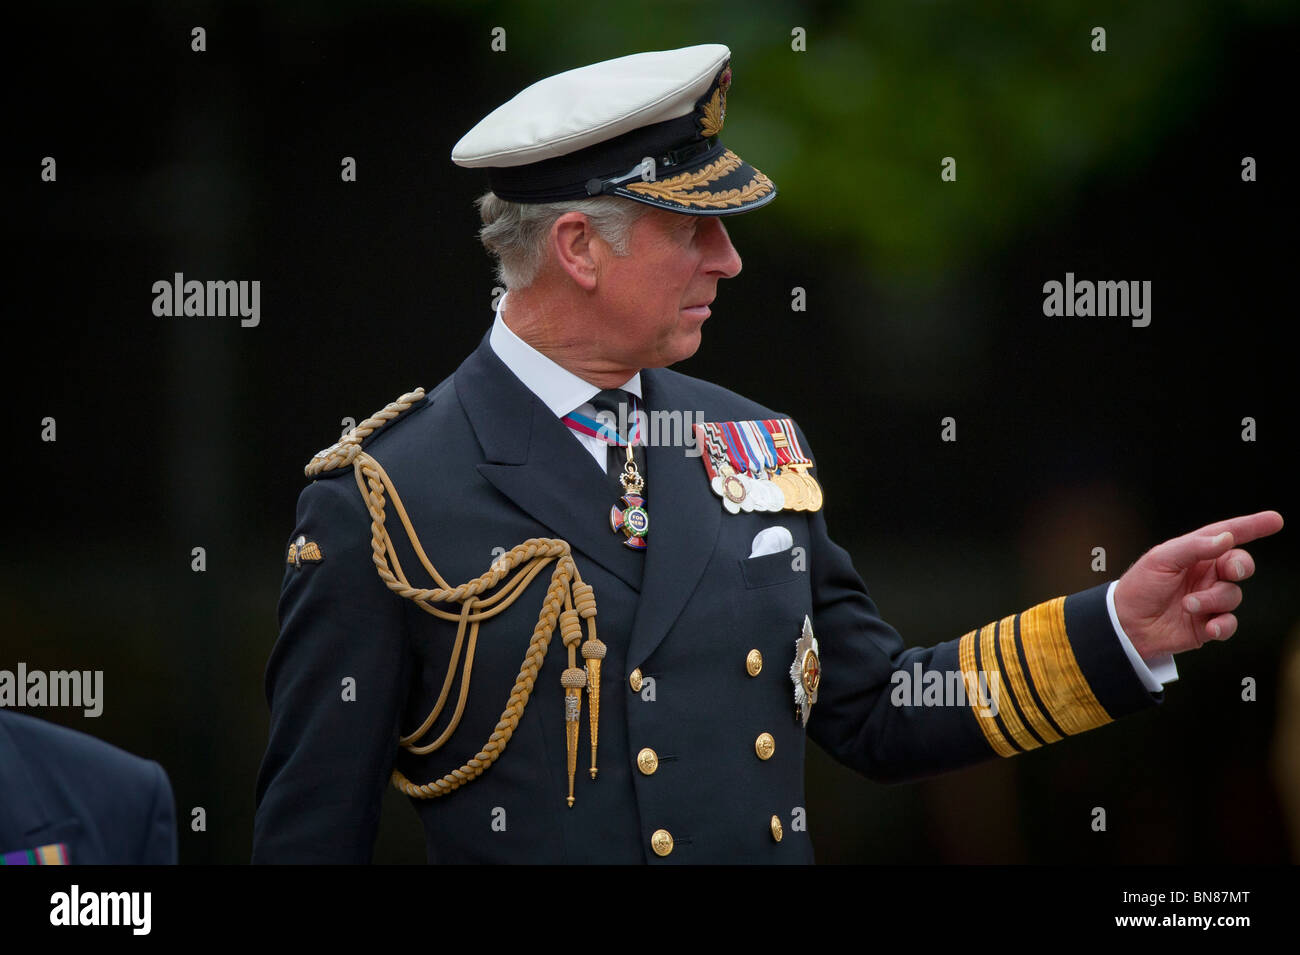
pixel 1243 529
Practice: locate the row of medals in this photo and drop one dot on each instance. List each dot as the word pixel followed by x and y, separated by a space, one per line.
pixel 786 489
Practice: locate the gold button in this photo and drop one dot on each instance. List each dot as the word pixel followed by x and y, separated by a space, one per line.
pixel 647 761
pixel 754 663
pixel 777 831
pixel 635 680
pixel 661 842
pixel 765 746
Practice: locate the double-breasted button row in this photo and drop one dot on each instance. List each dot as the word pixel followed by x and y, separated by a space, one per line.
pixel 647 760
pixel 753 666
pixel 765 745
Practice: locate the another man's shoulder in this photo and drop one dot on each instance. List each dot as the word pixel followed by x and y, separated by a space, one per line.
pixel 43 740
pixel 123 802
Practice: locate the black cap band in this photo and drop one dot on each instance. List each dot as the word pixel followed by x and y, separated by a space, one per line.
pixel 670 144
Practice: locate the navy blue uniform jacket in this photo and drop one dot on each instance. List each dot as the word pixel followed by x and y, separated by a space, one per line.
pixel 482 465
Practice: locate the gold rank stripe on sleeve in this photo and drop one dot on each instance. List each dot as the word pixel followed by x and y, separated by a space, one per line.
pixel 1012 669
pixel 987 722
pixel 1042 694
pixel 990 644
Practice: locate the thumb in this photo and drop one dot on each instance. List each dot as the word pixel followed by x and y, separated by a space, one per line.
pixel 1188 550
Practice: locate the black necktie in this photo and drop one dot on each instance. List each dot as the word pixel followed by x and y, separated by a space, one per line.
pixel 608 404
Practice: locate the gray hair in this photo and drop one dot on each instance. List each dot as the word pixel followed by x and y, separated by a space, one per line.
pixel 516 232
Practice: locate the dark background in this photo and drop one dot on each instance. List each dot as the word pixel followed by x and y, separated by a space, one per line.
pixel 924 300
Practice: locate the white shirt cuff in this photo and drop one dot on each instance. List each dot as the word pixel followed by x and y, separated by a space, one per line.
pixel 1155 672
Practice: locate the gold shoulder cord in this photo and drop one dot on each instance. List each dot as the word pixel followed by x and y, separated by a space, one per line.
pixel 526 560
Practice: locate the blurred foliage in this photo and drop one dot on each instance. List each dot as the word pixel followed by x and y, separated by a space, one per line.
pixel 853 130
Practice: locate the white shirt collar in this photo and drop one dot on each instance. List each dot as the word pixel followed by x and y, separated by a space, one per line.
pixel 559 389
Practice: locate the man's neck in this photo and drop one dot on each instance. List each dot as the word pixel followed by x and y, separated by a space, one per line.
pixel 551 330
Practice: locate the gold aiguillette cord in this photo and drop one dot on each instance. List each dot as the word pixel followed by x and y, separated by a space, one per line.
pixel 526 560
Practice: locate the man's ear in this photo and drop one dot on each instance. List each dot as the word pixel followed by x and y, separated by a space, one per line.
pixel 578 249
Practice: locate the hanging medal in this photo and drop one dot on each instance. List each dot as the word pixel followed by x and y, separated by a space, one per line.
pixel 795 464
pixel 754 435
pixel 800 463
pixel 741 464
pixel 789 498
pixel 724 480
pixel 796 495
pixel 743 455
pixel 632 519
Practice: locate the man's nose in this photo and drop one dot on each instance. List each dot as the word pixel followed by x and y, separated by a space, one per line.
pixel 722 256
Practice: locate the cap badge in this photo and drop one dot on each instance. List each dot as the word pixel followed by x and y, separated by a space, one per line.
pixel 714 110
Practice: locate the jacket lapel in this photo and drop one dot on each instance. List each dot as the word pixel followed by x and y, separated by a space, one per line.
pixel 685 518
pixel 533 459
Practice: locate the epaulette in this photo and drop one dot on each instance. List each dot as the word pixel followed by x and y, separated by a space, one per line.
pixel 342 452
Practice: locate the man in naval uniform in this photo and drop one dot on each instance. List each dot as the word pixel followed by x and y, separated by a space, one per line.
pixel 484 582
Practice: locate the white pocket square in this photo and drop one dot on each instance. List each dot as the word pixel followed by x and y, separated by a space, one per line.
pixel 771 540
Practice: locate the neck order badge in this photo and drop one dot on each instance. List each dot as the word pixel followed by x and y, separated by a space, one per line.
pixel 632 519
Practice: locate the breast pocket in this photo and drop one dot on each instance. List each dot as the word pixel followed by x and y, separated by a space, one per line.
pixel 770 569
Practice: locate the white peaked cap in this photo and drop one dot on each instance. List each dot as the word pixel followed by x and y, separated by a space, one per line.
pixel 644 127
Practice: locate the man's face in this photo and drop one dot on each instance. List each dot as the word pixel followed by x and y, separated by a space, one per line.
pixel 656 297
